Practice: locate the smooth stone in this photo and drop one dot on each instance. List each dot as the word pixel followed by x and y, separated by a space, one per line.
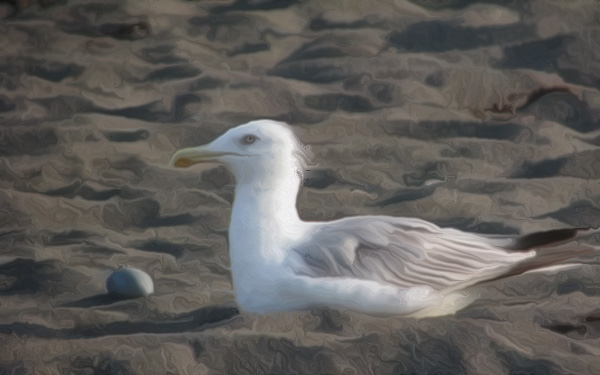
pixel 130 283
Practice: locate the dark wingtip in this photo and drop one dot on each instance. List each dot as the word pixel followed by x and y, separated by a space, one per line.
pixel 539 239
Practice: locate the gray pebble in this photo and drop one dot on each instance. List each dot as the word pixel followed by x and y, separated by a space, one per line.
pixel 130 283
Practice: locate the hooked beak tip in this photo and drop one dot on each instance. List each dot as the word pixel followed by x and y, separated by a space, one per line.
pixel 182 162
pixel 187 157
pixel 190 156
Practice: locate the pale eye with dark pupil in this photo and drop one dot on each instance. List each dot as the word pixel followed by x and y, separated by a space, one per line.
pixel 249 139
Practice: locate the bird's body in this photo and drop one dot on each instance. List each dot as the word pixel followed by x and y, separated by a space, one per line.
pixel 372 264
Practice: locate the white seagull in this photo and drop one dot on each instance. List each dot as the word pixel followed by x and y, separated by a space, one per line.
pixel 371 264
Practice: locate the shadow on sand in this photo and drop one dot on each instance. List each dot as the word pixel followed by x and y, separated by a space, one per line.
pixel 190 321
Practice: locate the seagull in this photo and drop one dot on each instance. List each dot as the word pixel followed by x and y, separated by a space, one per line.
pixel 378 265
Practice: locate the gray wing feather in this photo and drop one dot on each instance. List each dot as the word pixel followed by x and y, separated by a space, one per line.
pixel 402 251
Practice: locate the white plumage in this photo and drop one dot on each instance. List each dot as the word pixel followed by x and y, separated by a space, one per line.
pixel 372 264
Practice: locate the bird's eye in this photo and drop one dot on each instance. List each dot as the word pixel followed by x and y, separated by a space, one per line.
pixel 248 139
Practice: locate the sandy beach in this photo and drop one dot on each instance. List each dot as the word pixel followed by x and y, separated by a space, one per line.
pixel 482 116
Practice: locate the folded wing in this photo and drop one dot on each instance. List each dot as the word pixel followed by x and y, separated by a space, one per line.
pixel 402 251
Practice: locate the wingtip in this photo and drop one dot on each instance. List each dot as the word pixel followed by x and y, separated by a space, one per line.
pixel 545 238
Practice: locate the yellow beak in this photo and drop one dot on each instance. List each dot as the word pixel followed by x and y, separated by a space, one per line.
pixel 189 156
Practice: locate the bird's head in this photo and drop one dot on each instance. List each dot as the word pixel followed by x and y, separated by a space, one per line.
pixel 250 150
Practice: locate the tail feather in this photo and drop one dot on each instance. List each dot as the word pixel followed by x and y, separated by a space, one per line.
pixel 541 239
pixel 553 257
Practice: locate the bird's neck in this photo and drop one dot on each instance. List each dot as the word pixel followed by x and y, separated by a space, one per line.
pixel 264 213
pixel 275 202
